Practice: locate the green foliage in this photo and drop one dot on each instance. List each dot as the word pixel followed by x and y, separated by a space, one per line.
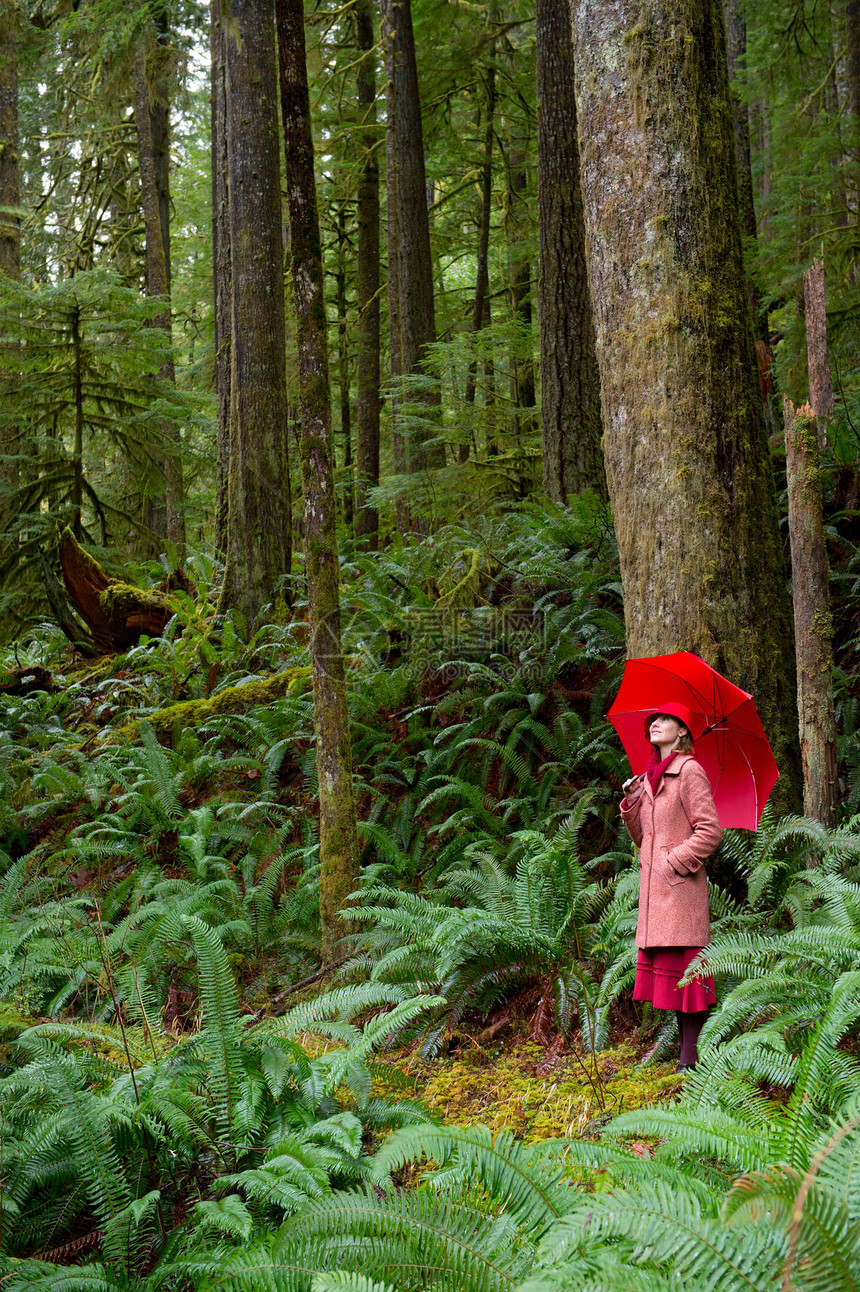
pixel 78 369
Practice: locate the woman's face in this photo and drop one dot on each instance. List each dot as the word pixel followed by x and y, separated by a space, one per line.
pixel 664 730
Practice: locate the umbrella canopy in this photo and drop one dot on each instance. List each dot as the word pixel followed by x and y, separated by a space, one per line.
pixel 729 738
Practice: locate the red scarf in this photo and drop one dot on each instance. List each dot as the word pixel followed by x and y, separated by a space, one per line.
pixel 655 769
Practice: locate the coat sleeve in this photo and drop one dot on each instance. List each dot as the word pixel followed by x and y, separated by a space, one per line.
pixel 695 789
pixel 630 817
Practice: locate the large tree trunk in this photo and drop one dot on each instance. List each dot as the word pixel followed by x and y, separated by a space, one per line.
pixel 736 51
pixel 343 368
pixel 221 274
pixel 518 232
pixel 812 620
pixel 152 121
pixel 570 380
pixel 260 524
pixel 482 259
pixel 338 833
pixel 411 226
pixel 686 453
pixel 367 288
pixel 10 174
pixel 815 313
pixel 852 47
pixel 392 244
pixel 10 238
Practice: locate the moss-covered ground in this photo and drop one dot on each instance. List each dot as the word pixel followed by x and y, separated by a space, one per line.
pixel 505 1088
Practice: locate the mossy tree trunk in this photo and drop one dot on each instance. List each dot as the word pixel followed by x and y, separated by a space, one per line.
pixel 813 628
pixel 152 121
pixel 77 496
pixel 10 170
pixel 392 242
pixel 10 225
pixel 852 57
pixel 570 380
pixel 517 233
pixel 815 314
pixel 338 834
pixel 343 374
pixel 367 287
pixel 221 275
pixel 410 245
pixel 687 459
pixel 260 524
pixel 480 302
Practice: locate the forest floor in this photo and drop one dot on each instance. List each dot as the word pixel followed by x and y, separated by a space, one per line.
pixel 509 1088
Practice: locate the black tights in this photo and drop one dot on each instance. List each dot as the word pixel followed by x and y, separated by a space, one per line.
pixel 689 1027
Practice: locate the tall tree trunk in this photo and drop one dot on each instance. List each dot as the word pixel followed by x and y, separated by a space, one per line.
pixel 338 833
pixel 482 259
pixel 10 173
pixel 736 51
pixel 813 626
pixel 519 272
pixel 686 453
pixel 10 228
pixel 489 373
pixel 815 313
pixel 367 287
pixel 78 453
pixel 417 317
pixel 152 121
pixel 221 273
pixel 570 380
pixel 392 243
pixel 852 49
pixel 259 544
pixel 343 368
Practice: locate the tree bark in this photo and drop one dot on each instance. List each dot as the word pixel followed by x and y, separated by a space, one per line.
pixel 392 243
pixel 343 369
pixel 570 380
pixel 686 452
pixel 813 627
pixel 152 121
pixel 411 227
pixel 221 272
pixel 815 313
pixel 10 233
pixel 78 451
pixel 482 259
pixel 519 273
pixel 736 51
pixel 852 49
pixel 260 523
pixel 367 287
pixel 338 833
pixel 10 172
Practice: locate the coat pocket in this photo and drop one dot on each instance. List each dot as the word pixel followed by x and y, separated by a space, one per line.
pixel 669 873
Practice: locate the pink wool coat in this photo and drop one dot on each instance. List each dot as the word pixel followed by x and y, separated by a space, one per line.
pixel 676 830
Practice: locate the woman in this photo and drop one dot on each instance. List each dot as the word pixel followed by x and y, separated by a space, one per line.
pixel 669 812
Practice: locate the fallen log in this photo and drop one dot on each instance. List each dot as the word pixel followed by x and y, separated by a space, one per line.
pixel 25 681
pixel 116 613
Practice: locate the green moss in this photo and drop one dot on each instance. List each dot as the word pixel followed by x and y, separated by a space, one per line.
pixel 122 598
pixel 233 699
pixel 505 1092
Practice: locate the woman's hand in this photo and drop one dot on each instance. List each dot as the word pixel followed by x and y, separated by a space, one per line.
pixel 632 789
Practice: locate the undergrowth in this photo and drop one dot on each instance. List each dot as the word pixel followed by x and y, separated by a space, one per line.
pixel 189 1098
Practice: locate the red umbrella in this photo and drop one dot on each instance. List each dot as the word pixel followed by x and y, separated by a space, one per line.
pixel 730 740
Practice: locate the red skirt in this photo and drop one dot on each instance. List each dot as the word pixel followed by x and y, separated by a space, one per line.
pixel 657 973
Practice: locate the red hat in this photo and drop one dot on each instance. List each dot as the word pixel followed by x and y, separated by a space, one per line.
pixel 679 711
